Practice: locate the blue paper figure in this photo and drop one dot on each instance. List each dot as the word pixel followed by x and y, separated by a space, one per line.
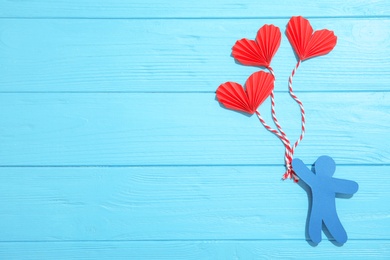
pixel 324 188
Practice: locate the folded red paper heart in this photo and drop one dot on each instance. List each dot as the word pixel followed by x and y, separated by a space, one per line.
pixel 306 43
pixel 261 51
pixel 258 87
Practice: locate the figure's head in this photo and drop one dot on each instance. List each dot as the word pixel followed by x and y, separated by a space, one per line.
pixel 325 165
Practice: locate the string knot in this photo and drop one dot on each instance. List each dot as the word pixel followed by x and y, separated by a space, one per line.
pixel 290 174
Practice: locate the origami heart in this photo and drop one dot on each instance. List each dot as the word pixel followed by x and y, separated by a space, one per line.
pixel 261 51
pixel 306 43
pixel 258 87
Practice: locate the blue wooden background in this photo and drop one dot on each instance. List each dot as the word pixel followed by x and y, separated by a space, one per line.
pixel 112 145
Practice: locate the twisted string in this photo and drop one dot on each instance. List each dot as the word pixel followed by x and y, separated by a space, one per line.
pixel 288 152
pixel 285 141
pixel 291 174
pixel 273 106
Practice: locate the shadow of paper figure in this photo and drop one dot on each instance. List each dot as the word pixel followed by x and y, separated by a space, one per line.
pixel 324 189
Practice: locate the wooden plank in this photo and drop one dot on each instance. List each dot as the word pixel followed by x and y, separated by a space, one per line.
pixel 179 55
pixel 186 129
pixel 285 249
pixel 194 9
pixel 176 203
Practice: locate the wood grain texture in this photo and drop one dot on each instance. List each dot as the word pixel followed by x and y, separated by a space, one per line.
pixel 193 9
pixel 112 145
pixel 213 250
pixel 161 56
pixel 178 203
pixel 150 129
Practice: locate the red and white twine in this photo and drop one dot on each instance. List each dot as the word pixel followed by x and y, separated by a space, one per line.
pixel 289 150
pixel 300 106
pixel 288 153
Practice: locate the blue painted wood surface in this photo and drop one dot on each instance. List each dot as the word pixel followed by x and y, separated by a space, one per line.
pixel 112 145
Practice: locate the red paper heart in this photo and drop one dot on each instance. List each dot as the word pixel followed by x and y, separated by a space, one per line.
pixel 306 43
pixel 258 87
pixel 261 51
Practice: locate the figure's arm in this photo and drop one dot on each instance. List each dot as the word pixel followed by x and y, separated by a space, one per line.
pixel 302 171
pixel 345 186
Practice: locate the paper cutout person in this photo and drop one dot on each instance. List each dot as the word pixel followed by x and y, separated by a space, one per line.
pixel 324 189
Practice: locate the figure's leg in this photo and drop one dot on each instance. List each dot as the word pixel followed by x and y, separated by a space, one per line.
pixel 315 223
pixel 336 229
